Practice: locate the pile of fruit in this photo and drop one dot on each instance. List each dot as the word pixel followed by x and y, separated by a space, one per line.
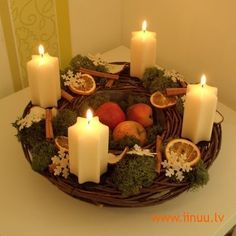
pixel 129 124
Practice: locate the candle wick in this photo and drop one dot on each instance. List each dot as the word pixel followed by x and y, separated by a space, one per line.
pixel 41 55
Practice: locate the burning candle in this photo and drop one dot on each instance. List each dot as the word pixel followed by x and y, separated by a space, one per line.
pixel 199 111
pixel 88 148
pixel 143 51
pixel 44 79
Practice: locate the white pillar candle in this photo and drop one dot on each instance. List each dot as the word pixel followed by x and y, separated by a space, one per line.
pixel 44 79
pixel 199 111
pixel 143 51
pixel 88 148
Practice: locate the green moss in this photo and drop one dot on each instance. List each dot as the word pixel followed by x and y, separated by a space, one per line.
pixel 180 106
pixel 121 144
pixel 83 61
pixel 154 80
pixel 32 135
pixel 133 173
pixel 64 119
pixel 153 131
pixel 41 155
pixel 199 176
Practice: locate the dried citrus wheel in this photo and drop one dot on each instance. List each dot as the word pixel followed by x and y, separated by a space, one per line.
pixel 62 143
pixel 160 101
pixel 84 85
pixel 183 147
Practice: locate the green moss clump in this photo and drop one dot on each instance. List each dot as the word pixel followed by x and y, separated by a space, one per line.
pixel 127 141
pixel 133 173
pixel 153 131
pixel 83 61
pixel 64 119
pixel 154 80
pixel 41 155
pixel 199 176
pixel 32 135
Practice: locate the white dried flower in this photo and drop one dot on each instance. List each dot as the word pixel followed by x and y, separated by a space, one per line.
pixel 97 59
pixel 36 114
pixel 61 162
pixel 137 150
pixel 174 75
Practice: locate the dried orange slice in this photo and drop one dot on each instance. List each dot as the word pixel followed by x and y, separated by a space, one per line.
pixel 84 85
pixel 62 143
pixel 183 147
pixel 160 101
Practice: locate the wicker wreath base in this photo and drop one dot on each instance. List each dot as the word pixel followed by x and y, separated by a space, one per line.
pixel 105 193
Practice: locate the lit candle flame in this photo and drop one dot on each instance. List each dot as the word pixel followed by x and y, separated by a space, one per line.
pixel 89 115
pixel 203 80
pixel 41 50
pixel 144 26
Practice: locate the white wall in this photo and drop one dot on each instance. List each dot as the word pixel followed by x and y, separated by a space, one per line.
pixel 193 37
pixel 6 86
pixel 96 26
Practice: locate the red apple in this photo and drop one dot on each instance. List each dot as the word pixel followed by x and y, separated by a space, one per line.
pixel 131 129
pixel 141 113
pixel 110 114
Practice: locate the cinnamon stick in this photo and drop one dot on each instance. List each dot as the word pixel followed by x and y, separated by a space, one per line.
pixel 158 153
pixel 99 74
pixel 66 95
pixel 175 91
pixel 48 124
pixel 109 83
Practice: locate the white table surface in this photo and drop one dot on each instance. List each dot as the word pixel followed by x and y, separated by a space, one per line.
pixel 32 206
